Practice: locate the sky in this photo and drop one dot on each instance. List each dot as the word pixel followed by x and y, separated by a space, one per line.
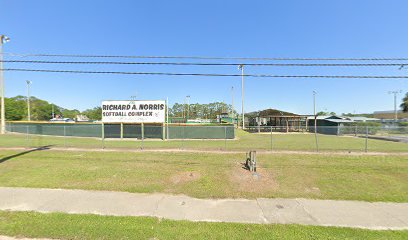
pixel 276 29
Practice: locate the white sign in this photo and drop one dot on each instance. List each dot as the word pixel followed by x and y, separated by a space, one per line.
pixel 133 111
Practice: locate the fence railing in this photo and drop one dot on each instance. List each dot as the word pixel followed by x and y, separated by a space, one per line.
pixel 263 138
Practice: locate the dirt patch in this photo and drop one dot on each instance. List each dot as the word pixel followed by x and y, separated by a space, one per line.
pixel 259 182
pixel 183 177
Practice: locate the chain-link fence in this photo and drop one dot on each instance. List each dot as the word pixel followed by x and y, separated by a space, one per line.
pixel 211 138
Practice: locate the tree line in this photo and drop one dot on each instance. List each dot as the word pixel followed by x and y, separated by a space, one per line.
pixel 203 111
pixel 41 110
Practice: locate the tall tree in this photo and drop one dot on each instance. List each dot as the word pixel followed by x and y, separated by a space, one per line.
pixel 16 108
pixel 94 113
pixel 404 104
pixel 196 110
pixel 325 113
pixel 66 113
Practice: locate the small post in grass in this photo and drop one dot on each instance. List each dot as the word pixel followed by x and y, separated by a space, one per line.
pixel 250 162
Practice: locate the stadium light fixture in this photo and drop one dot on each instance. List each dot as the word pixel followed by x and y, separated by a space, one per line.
pixel 3 39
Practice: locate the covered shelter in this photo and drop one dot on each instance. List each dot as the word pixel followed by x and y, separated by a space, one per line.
pixel 280 121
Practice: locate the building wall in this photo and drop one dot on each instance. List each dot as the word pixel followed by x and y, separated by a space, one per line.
pixel 324 126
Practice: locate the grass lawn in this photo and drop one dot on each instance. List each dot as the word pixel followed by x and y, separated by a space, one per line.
pixel 245 141
pixel 74 226
pixel 368 178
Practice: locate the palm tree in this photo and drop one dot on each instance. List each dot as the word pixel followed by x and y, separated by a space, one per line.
pixel 404 104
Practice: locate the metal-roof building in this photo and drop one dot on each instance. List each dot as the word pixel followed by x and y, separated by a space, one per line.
pixel 327 124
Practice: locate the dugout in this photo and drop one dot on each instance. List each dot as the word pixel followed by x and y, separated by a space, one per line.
pixel 278 120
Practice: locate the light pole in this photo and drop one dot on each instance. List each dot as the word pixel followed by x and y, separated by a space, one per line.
pixel 3 39
pixel 232 102
pixel 241 67
pixel 395 103
pixel 314 108
pixel 188 107
pixel 28 100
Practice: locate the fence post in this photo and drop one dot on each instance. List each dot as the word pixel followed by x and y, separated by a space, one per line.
pixel 366 140
pixel 103 135
pixel 163 132
pixel 65 138
pixel 121 131
pixel 27 136
pixel 271 139
pixel 167 131
pixel 317 142
pixel 225 138
pixel 184 136
pixel 142 136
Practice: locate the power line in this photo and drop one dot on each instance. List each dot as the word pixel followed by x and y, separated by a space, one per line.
pixel 201 74
pixel 216 64
pixel 206 58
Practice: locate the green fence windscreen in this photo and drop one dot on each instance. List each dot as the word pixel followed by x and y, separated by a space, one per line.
pixel 129 130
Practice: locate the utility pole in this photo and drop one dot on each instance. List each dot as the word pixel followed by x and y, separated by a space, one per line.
pixel 314 108
pixel 241 67
pixel 3 39
pixel 395 103
pixel 232 102
pixel 28 100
